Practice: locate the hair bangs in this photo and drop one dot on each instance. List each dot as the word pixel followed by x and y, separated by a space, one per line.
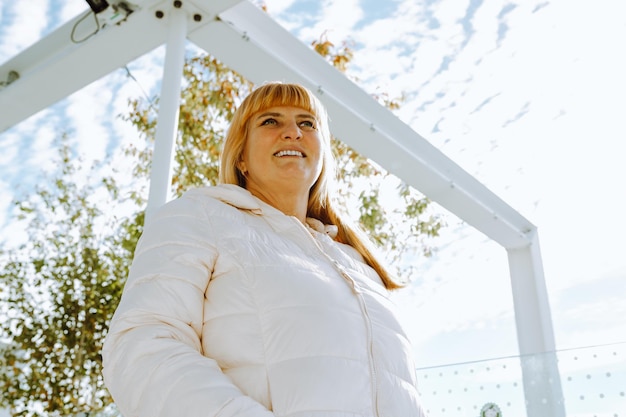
pixel 282 95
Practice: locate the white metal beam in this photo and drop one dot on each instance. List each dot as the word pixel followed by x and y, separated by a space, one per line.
pixel 55 67
pixel 68 60
pixel 250 42
pixel 535 335
pixel 169 105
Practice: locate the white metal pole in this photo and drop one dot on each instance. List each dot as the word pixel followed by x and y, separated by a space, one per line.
pixel 169 103
pixel 535 335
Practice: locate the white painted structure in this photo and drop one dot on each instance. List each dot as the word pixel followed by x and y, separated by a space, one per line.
pixel 248 41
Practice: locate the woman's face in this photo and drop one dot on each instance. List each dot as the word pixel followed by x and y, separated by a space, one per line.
pixel 283 151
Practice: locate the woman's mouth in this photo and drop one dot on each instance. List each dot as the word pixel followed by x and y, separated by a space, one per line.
pixel 289 153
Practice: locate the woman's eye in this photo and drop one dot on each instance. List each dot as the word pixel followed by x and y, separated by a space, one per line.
pixel 269 122
pixel 307 123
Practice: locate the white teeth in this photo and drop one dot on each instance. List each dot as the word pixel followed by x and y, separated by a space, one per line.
pixel 289 153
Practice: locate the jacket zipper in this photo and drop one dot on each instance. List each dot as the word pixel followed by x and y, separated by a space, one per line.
pixel 356 290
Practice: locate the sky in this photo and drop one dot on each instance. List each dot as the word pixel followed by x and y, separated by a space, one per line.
pixel 527 96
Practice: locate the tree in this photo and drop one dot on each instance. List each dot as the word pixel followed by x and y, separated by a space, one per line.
pixel 58 292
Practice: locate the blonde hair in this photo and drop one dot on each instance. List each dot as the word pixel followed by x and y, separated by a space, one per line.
pixel 320 205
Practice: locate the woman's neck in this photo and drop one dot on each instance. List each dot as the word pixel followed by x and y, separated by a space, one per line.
pixel 291 204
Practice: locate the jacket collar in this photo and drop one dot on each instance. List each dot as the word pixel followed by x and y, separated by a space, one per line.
pixel 235 196
pixel 242 199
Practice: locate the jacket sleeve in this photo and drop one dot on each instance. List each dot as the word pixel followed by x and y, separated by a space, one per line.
pixel 152 360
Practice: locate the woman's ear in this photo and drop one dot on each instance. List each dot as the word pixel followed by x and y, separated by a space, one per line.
pixel 241 165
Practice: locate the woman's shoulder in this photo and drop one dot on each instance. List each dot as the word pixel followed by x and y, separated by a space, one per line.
pixel 223 194
pixel 210 201
pixel 200 211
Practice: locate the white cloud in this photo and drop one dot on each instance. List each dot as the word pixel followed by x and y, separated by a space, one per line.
pixel 71 9
pixel 278 6
pixel 28 146
pixel 335 18
pixel 23 24
pixel 12 233
pixel 88 113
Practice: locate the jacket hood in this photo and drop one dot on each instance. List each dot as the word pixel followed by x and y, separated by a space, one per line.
pixel 243 199
pixel 235 196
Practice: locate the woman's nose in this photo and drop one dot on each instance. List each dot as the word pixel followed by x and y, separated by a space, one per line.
pixel 292 131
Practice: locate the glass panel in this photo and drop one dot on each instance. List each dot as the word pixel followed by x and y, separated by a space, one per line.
pixel 593 384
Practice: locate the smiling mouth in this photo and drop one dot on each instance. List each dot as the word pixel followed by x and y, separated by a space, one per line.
pixel 280 154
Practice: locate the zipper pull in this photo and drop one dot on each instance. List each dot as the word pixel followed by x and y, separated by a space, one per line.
pixel 347 277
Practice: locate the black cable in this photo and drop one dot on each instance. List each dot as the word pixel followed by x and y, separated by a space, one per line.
pixel 95 16
pixel 150 102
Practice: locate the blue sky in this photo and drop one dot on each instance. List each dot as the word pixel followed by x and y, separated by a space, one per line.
pixel 528 96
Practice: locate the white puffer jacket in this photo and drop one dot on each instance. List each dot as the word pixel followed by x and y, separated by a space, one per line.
pixel 233 308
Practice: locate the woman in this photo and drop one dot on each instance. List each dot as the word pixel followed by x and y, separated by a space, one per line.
pixel 253 298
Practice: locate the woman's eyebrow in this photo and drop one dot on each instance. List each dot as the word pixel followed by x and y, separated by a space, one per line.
pixel 268 114
pixel 276 114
